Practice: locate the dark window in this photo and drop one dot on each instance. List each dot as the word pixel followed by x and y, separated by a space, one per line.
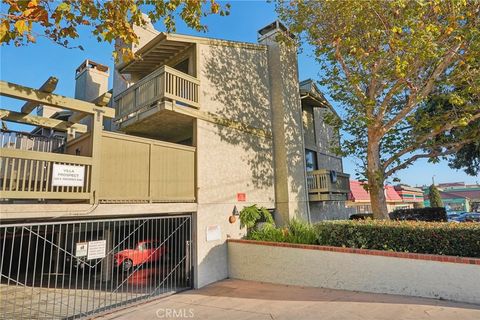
pixel 182 66
pixel 311 160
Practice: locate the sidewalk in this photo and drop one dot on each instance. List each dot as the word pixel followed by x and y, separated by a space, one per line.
pixel 237 299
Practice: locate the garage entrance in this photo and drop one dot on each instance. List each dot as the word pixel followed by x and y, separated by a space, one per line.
pixel 73 269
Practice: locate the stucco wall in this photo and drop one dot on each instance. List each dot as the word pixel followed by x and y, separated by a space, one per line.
pixel 234 86
pixel 329 210
pixel 359 272
pixel 290 176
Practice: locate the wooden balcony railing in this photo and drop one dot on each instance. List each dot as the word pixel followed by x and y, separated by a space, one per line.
pixel 165 83
pixel 26 141
pixel 328 185
pixel 130 169
pixel 29 175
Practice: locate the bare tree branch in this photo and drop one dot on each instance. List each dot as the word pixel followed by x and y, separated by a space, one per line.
pixel 348 73
pixel 451 148
pixel 427 88
pixel 388 98
pixel 425 138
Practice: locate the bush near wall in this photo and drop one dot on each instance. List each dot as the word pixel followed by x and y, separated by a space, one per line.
pixel 455 239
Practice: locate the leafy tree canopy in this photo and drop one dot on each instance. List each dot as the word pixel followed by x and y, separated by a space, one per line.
pixel 464 141
pixel 382 60
pixel 23 21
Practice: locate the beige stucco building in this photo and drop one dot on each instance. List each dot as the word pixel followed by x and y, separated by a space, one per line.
pixel 202 128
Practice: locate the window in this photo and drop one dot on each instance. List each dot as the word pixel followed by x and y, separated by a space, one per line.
pixel 182 66
pixel 311 160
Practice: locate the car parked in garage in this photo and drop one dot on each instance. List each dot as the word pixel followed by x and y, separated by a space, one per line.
pixel 144 251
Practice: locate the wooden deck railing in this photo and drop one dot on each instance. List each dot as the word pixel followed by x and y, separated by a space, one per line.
pixel 324 181
pixel 165 83
pixel 26 141
pixel 28 175
pixel 131 169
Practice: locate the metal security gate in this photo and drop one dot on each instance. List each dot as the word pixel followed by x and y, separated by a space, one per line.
pixel 73 269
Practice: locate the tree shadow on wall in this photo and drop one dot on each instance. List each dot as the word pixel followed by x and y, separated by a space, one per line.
pixel 239 79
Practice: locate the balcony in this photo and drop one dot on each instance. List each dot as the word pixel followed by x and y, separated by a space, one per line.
pixel 27 164
pixel 149 105
pixel 130 170
pixel 328 185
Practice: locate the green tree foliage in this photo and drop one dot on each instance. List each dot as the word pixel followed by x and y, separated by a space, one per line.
pixel 468 159
pixel 382 60
pixel 434 196
pixel 23 21
pixel 464 141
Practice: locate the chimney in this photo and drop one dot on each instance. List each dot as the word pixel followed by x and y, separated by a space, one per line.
pixel 273 29
pixel 91 80
pixel 288 147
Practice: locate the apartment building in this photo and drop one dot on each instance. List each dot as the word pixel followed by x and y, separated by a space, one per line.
pixel 140 201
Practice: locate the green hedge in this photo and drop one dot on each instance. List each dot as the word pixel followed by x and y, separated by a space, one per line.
pixel 455 239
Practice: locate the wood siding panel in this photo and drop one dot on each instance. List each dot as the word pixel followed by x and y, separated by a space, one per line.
pixel 124 169
pixel 173 176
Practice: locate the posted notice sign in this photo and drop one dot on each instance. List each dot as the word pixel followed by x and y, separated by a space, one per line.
pixel 214 233
pixel 64 175
pixel 96 249
pixel 81 249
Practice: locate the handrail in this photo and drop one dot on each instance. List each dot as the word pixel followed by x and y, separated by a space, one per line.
pixel 319 181
pixel 28 174
pixel 163 83
pixel 45 156
pixel 10 139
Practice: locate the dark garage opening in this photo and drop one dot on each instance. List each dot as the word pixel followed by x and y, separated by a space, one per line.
pixel 74 269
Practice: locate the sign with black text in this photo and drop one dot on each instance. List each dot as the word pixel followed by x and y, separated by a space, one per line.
pixel 64 175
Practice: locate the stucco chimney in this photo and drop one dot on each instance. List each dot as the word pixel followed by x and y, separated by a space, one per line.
pixel 291 196
pixel 91 80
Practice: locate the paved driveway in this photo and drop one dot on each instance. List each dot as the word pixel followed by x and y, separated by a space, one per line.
pixel 237 299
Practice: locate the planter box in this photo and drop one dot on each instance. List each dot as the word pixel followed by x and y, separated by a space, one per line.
pixel 421 275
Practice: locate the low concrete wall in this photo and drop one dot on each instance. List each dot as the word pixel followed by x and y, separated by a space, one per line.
pixel 430 276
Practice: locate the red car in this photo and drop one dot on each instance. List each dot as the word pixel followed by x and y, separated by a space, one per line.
pixel 145 251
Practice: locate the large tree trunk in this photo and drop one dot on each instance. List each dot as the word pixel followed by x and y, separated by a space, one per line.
pixel 375 175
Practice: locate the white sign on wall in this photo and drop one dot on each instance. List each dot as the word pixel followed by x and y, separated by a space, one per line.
pixel 214 233
pixel 96 249
pixel 64 175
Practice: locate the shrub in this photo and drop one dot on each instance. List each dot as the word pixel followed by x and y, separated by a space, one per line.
pixel 250 216
pixel 268 232
pixel 301 232
pixel 296 232
pixel 420 214
pixel 456 239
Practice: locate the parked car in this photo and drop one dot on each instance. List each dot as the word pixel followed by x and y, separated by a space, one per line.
pixel 144 251
pixel 452 215
pixel 468 217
